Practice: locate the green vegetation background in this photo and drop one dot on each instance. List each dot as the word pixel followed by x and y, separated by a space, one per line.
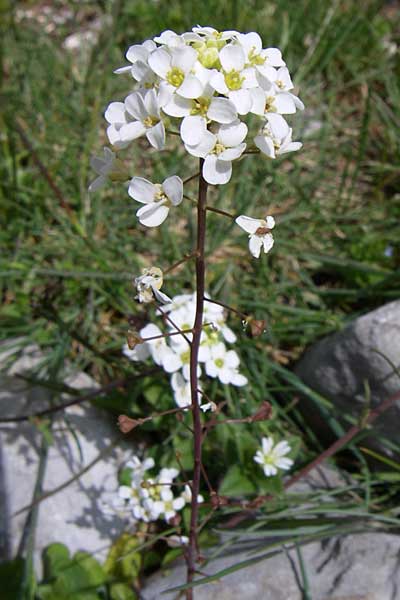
pixel 68 257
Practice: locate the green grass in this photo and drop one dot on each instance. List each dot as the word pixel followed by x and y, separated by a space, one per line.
pixel 65 267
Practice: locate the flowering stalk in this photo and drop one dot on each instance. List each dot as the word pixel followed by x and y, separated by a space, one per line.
pixel 194 385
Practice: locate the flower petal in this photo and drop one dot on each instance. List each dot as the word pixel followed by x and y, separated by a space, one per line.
pixel 255 244
pixel 132 131
pixel 268 242
pixel 173 188
pixel 142 190
pixel 265 144
pixel 184 58
pixel 242 100
pixel 134 104
pixel 205 145
pixel 232 153
pixel 160 62
pixel 222 110
pixel 193 129
pixel 232 58
pixel 115 113
pixel 216 172
pixel 156 136
pixel 248 224
pixel 191 87
pixel 178 106
pixel 152 215
pixel 233 134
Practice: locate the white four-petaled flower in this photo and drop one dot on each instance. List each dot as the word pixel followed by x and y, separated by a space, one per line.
pixel 272 458
pixel 259 231
pixel 157 198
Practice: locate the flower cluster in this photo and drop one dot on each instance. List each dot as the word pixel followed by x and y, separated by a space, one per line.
pixel 150 498
pixel 273 457
pixel 173 353
pixel 206 83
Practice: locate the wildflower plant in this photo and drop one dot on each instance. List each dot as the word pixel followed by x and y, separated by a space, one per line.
pixel 224 96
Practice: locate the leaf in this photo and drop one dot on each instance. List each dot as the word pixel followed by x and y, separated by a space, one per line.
pixel 122 561
pixel 235 483
pixel 55 559
pixel 120 591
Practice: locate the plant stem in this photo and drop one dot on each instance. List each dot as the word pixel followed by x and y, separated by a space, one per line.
pixel 194 385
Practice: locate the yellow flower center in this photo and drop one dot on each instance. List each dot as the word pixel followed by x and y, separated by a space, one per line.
pixel 218 148
pixel 219 362
pixel 255 59
pixel 175 76
pixel 233 80
pixel 150 121
pixel 269 104
pixel 161 195
pixel 200 106
pixel 280 84
pixel 185 357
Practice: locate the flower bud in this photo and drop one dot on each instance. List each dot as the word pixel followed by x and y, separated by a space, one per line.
pixel 264 412
pixel 126 424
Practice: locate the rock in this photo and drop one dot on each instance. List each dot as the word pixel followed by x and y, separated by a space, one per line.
pixel 74 515
pixel 355 567
pixel 338 366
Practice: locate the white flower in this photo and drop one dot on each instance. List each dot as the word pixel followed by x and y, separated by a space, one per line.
pixel 139 353
pixel 257 56
pixel 176 541
pixel 148 286
pixel 276 137
pixel 169 38
pixel 259 233
pixel 208 406
pixel 224 365
pixel 158 198
pixel 145 110
pixel 187 495
pixel 235 79
pixel 176 67
pixel 219 150
pixel 272 458
pixel 181 389
pixel 137 55
pixel 160 352
pixel 105 167
pixel 198 112
pixel 118 119
pixel 167 507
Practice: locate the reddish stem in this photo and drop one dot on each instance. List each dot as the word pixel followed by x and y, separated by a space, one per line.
pixel 194 385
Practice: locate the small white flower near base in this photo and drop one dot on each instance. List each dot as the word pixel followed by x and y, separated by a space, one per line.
pixel 272 458
pixel 148 286
pixel 157 198
pixel 259 233
pixel 176 541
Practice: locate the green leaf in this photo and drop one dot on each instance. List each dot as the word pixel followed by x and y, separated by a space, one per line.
pixel 120 591
pixel 55 559
pixel 236 483
pixel 122 561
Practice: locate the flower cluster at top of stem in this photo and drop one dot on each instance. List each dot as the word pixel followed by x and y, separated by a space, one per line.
pixel 206 83
pixel 173 353
pixel 149 498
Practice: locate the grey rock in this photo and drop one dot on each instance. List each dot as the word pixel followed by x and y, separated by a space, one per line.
pixel 355 567
pixel 341 365
pixel 73 516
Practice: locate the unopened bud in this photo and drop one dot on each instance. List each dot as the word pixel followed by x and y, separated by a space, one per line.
pixel 175 521
pixel 218 501
pixel 126 424
pixel 264 412
pixel 133 339
pixel 257 327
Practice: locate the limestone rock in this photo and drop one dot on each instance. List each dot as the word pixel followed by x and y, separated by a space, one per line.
pixel 341 365
pixel 73 516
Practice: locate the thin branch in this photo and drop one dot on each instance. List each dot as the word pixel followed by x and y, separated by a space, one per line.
pixel 168 318
pixel 191 178
pixel 179 262
pixel 230 308
pixel 219 211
